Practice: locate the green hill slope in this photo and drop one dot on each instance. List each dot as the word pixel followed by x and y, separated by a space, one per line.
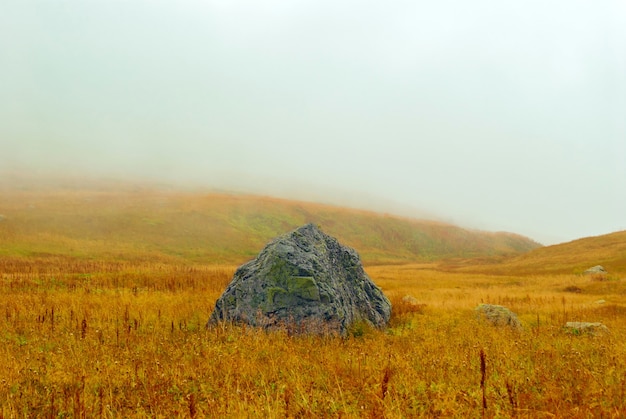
pixel 130 224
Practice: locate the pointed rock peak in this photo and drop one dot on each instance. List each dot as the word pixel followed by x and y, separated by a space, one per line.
pixel 312 231
pixel 309 229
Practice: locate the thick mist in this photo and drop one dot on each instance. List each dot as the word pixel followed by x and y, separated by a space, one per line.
pixel 492 115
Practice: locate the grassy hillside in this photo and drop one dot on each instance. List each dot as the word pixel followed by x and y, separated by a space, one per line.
pixel 573 257
pixel 125 223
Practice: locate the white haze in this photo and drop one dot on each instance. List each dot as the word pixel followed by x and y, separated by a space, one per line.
pixel 494 115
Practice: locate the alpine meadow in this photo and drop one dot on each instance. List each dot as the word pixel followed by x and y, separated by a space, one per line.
pixel 106 291
pixel 312 209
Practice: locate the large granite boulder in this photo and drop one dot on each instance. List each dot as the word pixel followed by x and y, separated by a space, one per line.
pixel 304 282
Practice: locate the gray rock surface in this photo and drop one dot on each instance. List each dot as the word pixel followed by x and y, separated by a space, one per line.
pixel 598 269
pixel 305 282
pixel 499 316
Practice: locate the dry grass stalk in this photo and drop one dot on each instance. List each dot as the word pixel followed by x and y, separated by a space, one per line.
pixel 483 376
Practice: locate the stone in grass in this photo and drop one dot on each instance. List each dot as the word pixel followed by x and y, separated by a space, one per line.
pixel 304 282
pixel 581 328
pixel 410 300
pixel 499 316
pixel 596 270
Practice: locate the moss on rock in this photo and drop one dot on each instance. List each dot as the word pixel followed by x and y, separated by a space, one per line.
pixel 304 287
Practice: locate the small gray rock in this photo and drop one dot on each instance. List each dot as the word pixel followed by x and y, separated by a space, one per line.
pixel 499 316
pixel 579 328
pixel 410 300
pixel 305 282
pixel 598 269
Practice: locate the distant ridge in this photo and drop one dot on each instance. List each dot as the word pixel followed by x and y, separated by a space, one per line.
pixel 608 250
pixel 127 223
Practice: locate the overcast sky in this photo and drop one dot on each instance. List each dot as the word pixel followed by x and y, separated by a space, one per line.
pixel 492 114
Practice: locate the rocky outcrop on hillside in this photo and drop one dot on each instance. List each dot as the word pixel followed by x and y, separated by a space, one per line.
pixel 304 282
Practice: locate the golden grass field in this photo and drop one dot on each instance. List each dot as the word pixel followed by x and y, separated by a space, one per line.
pixel 91 335
pixel 103 340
